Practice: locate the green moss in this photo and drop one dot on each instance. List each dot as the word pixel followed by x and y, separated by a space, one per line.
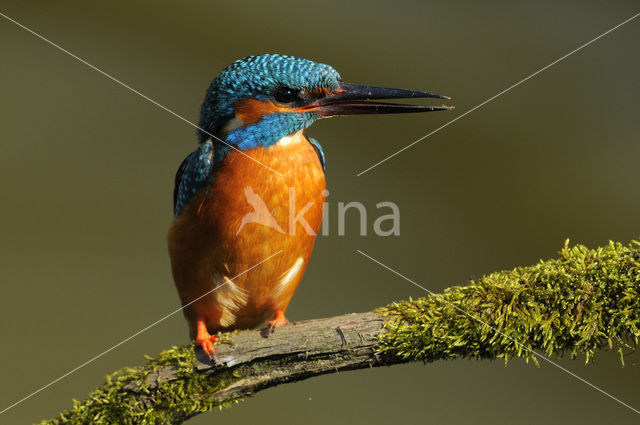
pixel 584 301
pixel 119 401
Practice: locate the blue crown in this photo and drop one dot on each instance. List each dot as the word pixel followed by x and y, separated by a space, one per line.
pixel 257 77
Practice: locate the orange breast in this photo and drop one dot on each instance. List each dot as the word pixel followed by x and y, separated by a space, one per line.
pixel 242 219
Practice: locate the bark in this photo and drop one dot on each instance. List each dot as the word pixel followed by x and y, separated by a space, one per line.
pixel 293 352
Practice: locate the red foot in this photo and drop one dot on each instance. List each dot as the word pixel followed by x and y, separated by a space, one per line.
pixel 278 321
pixel 206 340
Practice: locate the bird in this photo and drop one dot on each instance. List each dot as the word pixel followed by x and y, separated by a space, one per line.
pixel 237 250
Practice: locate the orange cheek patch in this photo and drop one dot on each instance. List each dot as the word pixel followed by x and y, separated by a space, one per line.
pixel 250 111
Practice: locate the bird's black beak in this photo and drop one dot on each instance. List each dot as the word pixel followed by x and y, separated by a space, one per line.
pixel 352 99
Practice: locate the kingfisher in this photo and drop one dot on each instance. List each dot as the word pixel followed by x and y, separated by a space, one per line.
pixel 248 202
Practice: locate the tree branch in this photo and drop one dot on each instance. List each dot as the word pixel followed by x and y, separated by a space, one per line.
pixel 584 301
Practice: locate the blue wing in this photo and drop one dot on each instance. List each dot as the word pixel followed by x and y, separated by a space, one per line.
pixel 193 174
pixel 319 150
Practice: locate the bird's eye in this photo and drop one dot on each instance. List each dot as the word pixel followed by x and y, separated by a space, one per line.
pixel 286 94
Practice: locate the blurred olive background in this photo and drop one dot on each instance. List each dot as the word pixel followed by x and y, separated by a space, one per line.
pixel 87 167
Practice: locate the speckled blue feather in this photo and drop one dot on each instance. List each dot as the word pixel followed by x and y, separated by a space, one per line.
pixel 192 175
pixel 270 129
pixel 257 77
pixel 254 77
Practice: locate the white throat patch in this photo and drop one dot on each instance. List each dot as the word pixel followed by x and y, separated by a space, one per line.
pixel 290 139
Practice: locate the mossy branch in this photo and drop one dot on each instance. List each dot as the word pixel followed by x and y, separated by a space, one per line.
pixel 582 302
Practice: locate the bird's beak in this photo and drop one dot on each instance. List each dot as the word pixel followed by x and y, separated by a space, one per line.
pixel 352 99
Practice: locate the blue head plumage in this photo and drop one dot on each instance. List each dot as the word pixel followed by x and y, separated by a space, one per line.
pixel 261 78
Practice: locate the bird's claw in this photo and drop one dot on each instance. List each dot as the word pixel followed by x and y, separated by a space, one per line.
pixel 278 321
pixel 206 340
pixel 207 346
